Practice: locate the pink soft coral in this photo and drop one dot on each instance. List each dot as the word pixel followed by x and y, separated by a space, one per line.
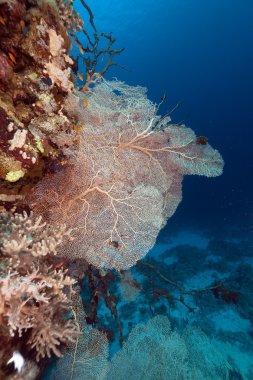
pixel 34 298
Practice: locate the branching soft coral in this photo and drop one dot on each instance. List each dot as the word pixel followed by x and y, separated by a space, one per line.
pixel 125 180
pixel 24 236
pixel 51 331
pixel 34 297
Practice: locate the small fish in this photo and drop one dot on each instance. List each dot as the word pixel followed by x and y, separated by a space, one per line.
pixel 80 77
pixel 126 236
pixel 59 265
pixel 81 49
pixel 78 141
pixel 114 244
pixel 12 58
pixel 75 65
pixel 88 77
pixel 2 21
pixel 163 97
pixel 202 140
pixel 18 361
pixel 22 25
pixel 77 128
pixel 47 81
pixel 85 102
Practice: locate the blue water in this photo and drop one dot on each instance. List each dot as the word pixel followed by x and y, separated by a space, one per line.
pixel 200 54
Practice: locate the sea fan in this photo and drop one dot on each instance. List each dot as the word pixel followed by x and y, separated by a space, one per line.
pixel 120 188
pixel 155 351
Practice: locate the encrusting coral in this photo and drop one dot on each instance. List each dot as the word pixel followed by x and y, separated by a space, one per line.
pixel 35 78
pixel 124 180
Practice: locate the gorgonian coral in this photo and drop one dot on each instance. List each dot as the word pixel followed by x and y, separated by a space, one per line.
pixel 123 183
pixel 87 360
pixel 155 351
pixel 23 237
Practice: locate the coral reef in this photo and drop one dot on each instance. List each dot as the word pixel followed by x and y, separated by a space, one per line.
pixel 94 155
pixel 38 114
pixel 31 51
pixel 37 79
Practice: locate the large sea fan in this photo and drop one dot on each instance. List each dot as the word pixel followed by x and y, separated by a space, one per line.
pixel 124 182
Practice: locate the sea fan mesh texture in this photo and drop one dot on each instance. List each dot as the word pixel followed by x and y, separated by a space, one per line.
pixel 87 357
pixel 120 188
pixel 154 351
